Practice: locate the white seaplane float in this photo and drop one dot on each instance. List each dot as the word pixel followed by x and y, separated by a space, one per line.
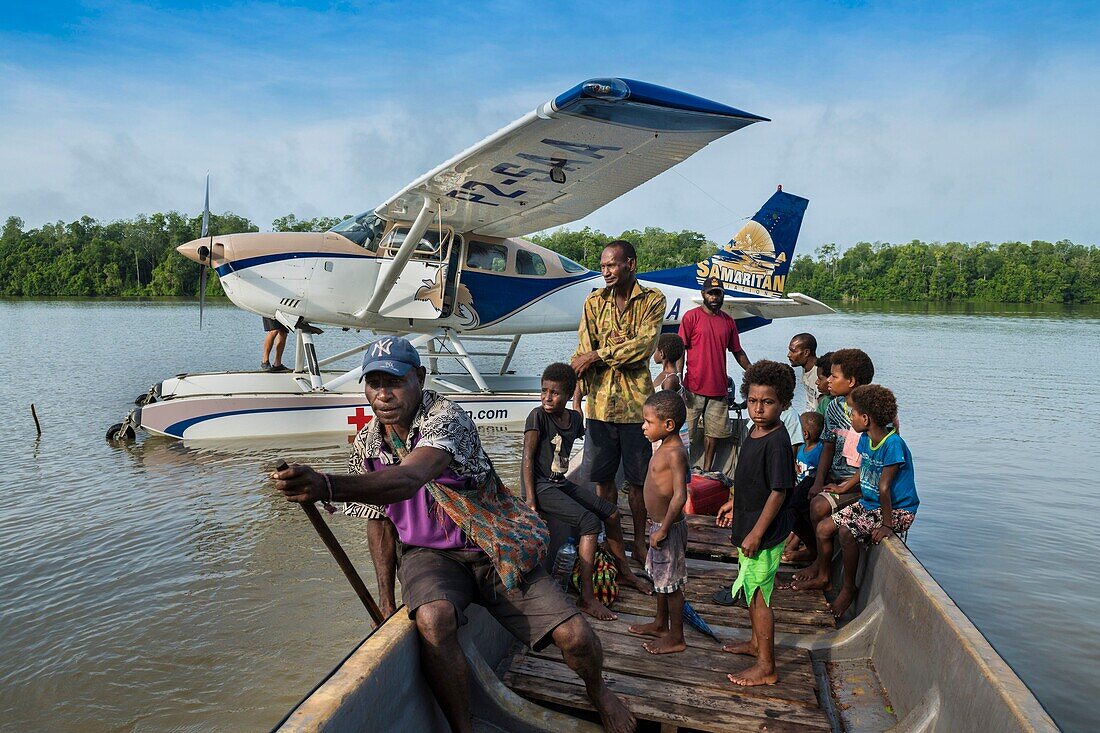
pixel 443 262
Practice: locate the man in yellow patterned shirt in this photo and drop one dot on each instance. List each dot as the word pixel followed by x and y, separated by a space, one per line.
pixel 617 337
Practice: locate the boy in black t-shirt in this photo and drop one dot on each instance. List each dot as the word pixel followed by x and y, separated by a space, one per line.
pixel 762 487
pixel 548 440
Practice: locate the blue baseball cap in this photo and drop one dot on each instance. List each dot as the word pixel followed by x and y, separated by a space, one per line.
pixel 391 355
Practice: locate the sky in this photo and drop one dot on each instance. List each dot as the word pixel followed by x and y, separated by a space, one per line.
pixel 938 121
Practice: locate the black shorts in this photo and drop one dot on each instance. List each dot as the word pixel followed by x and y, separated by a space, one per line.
pixel 612 442
pixel 573 505
pixel 270 324
pixel 531 612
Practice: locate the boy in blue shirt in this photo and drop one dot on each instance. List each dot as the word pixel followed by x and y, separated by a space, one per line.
pixel 809 454
pixel 805 469
pixel 888 502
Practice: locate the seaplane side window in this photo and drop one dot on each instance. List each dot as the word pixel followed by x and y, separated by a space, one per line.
pixel 529 263
pixel 365 230
pixel 427 248
pixel 485 256
pixel 570 266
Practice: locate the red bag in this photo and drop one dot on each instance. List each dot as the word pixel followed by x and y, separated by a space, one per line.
pixel 705 495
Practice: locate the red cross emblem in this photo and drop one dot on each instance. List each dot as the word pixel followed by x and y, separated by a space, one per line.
pixel 359 420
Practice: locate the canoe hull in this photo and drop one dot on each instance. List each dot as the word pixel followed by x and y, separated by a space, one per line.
pixel 941 673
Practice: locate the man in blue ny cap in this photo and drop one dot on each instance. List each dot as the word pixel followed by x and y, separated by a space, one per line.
pixel 462 537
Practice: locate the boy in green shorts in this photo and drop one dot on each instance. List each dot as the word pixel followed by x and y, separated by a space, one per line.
pixel 763 485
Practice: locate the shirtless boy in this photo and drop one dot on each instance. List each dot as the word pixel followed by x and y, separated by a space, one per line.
pixel 665 495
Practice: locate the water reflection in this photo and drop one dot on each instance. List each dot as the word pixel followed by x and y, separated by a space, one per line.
pixel 165 586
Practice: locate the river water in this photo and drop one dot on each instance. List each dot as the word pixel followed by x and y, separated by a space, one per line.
pixel 163 587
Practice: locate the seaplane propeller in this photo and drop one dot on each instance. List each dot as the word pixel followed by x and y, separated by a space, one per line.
pixel 204 250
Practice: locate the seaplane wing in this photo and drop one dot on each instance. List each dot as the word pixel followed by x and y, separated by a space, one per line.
pixel 795 304
pixel 568 158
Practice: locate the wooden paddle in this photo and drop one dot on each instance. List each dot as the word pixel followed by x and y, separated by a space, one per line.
pixel 341 557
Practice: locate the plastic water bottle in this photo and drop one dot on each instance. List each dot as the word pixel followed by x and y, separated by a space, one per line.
pixel 564 562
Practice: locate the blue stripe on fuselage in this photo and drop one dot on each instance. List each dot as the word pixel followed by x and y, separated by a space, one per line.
pixel 238 265
pixel 497 296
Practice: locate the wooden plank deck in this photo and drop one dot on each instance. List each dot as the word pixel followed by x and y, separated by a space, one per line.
pixel 795 612
pixel 689 690
pixel 705 539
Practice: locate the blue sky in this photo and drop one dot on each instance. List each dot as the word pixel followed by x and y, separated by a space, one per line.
pixel 930 121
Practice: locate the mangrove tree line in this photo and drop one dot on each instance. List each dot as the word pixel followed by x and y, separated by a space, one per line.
pixel 136 257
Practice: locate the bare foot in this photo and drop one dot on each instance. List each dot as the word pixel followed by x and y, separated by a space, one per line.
pixel 595 609
pixel 639 584
pixel 805 574
pixel 746 647
pixel 640 551
pixel 665 644
pixel 798 556
pixel 650 629
pixel 842 601
pixel 615 716
pixel 753 676
pixel 814 583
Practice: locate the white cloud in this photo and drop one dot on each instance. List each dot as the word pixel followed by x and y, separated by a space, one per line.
pixel 970 143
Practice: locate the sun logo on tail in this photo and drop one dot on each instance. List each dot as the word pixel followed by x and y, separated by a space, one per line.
pixel 747 264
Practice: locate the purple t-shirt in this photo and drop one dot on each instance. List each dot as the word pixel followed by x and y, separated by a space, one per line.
pixel 420 521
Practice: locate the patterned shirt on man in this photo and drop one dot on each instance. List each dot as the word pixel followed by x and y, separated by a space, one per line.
pixel 618 387
pixel 466 507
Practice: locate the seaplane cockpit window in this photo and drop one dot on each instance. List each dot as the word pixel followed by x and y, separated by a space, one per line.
pixel 484 256
pixel 529 263
pixel 365 230
pixel 571 266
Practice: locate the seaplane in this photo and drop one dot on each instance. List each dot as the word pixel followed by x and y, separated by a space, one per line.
pixel 444 262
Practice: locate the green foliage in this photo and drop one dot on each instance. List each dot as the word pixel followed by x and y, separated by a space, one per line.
pixel 134 257
pixel 657 249
pixel 137 257
pixel 291 223
pixel 1012 272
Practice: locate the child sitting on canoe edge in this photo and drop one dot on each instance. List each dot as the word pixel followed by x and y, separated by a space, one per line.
pixel 665 492
pixel 764 480
pixel 805 468
pixel 548 439
pixel 836 484
pixel 888 502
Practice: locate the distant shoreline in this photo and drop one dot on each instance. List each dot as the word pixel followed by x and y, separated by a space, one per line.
pixel 843 304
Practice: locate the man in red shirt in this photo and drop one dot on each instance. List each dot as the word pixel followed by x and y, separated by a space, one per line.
pixel 708 333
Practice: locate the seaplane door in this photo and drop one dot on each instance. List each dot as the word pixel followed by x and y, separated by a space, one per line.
pixel 419 292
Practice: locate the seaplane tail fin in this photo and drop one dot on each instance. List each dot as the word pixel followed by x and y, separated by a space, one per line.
pixel 755 262
pixel 753 267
